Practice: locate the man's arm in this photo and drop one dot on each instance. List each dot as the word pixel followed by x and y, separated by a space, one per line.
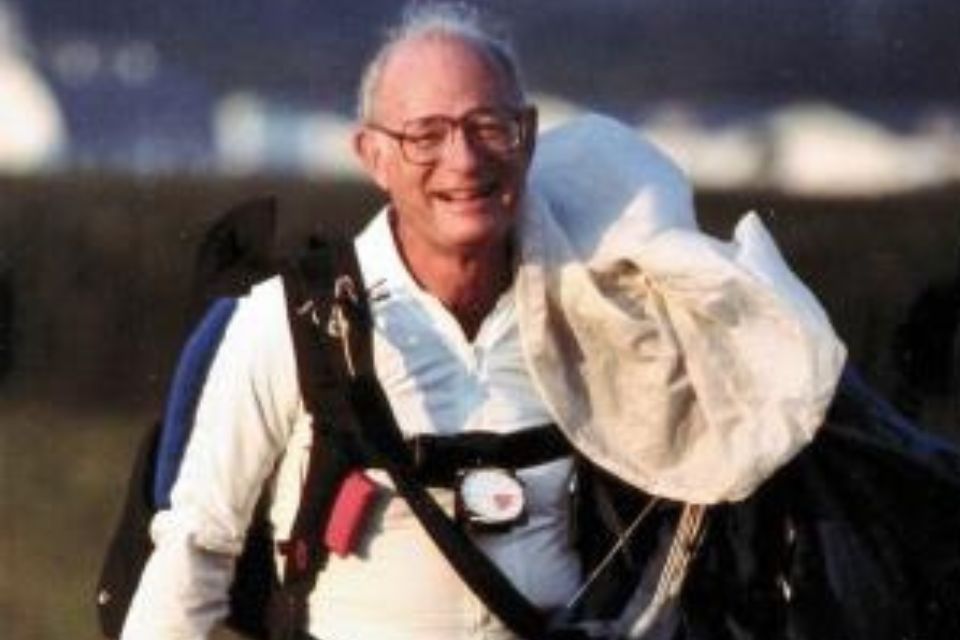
pixel 243 421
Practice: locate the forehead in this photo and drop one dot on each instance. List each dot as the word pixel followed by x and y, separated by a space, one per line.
pixel 439 75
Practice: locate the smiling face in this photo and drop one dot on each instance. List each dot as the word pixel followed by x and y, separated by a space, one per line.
pixel 467 201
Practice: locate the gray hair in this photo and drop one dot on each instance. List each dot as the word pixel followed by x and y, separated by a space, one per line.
pixel 438 19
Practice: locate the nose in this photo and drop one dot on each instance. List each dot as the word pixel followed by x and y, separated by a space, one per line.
pixel 460 153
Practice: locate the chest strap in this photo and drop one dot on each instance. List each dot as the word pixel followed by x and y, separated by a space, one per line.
pixel 438 458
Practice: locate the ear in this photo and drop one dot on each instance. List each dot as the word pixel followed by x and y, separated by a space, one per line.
pixel 370 152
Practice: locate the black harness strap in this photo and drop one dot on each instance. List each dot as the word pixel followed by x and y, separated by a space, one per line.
pixel 334 452
pixel 438 459
pixel 476 569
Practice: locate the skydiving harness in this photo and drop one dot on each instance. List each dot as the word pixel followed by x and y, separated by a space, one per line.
pixel 479 466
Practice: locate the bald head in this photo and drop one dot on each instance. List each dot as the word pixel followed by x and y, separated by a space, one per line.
pixel 438 74
pixel 443 25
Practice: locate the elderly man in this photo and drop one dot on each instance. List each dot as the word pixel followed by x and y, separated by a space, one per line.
pixel 447 134
pixel 691 369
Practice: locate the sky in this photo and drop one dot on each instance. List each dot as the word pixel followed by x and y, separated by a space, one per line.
pixel 619 53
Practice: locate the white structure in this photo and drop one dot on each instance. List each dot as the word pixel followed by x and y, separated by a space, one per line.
pixel 810 148
pixel 253 134
pixel 32 132
pixel 726 158
pixel 821 149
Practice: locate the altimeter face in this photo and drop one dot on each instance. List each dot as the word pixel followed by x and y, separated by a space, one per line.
pixel 491 497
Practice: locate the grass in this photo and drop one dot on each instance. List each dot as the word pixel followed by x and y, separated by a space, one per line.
pixel 62 476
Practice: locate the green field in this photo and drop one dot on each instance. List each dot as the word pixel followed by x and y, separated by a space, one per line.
pixel 62 476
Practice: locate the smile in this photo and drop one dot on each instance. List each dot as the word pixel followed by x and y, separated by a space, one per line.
pixel 479 192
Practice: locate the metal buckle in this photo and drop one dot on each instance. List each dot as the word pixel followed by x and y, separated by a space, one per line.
pixel 338 325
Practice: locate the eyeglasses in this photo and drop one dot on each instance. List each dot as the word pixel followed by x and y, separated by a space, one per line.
pixel 496 132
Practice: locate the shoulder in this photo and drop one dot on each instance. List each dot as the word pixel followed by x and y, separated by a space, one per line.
pixel 257 337
pixel 253 376
pixel 265 302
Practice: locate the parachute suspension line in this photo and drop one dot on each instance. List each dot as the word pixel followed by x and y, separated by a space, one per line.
pixel 622 540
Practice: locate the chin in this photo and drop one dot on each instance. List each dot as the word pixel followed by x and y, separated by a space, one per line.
pixel 477 238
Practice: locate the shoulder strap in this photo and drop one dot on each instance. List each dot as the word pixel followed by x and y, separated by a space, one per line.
pixel 309 284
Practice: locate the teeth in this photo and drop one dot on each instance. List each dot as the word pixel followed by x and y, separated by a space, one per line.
pixel 465 195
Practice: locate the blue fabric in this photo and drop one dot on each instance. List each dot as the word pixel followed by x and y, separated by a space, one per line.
pixel 882 424
pixel 188 381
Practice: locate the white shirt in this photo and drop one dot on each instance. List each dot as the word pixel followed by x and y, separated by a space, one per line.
pixel 252 427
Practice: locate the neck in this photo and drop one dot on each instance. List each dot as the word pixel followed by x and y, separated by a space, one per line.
pixel 467 283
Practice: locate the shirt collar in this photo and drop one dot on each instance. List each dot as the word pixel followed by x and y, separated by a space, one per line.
pixel 384 272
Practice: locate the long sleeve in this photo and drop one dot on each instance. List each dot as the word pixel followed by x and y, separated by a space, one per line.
pixel 246 412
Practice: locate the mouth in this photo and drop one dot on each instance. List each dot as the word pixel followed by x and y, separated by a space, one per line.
pixel 467 195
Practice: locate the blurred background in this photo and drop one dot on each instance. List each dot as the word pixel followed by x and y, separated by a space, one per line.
pixel 127 128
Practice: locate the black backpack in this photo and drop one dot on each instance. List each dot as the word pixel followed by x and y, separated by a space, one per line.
pixel 235 255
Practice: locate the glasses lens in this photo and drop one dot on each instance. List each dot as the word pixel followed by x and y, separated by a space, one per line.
pixel 496 132
pixel 424 140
